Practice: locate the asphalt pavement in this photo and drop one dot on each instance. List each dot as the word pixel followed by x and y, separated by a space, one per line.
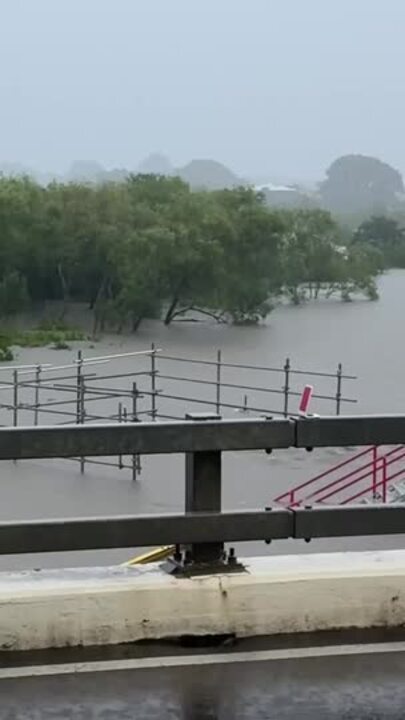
pixel 316 684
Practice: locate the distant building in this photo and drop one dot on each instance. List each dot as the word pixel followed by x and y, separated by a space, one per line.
pixel 286 196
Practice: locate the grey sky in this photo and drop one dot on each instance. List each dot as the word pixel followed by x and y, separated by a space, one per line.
pixel 277 87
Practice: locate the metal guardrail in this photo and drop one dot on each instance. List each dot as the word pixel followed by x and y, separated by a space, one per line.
pixel 201 532
pixel 157 386
pixel 205 433
pixel 199 529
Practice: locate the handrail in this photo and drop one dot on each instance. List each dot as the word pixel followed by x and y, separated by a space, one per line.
pixel 339 480
pixel 349 484
pixel 389 458
pixel 374 469
pixel 392 452
pixel 382 483
pixel 395 475
pixel 259 368
pixel 288 495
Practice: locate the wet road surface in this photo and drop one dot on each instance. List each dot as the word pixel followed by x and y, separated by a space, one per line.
pixel 241 686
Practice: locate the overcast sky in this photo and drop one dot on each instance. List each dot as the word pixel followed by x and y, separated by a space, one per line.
pixel 276 87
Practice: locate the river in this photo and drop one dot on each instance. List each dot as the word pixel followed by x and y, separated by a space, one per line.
pixel 367 337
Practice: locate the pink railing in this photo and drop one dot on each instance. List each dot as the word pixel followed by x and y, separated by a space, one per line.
pixel 382 484
pixel 321 488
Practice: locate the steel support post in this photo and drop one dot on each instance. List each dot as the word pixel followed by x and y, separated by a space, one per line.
pixel 203 494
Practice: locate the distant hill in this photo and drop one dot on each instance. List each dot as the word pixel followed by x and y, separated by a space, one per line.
pixel 85 171
pixel 156 164
pixel 355 185
pixel 360 183
pixel 209 175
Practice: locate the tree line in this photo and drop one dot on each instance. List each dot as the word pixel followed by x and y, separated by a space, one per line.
pixel 150 247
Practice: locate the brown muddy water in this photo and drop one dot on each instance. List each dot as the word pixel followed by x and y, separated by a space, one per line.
pixel 368 338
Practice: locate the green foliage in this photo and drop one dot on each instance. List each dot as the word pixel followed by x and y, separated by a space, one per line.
pixel 316 260
pixel 310 253
pixel 40 337
pixel 386 235
pixel 360 267
pixel 6 353
pixel 13 293
pixel 148 246
pixel 249 276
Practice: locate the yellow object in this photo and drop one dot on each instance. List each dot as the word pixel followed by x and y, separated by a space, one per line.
pixel 151 556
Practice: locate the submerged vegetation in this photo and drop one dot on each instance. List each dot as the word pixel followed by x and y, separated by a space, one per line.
pixel 149 247
pixel 57 337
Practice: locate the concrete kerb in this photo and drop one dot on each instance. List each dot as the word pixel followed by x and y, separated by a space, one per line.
pixel 286 594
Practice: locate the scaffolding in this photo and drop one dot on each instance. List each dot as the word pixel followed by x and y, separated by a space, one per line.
pixel 154 386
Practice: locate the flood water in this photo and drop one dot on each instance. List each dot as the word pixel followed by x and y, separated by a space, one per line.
pixel 368 338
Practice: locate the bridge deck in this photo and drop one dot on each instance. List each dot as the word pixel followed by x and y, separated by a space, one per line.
pixel 248 683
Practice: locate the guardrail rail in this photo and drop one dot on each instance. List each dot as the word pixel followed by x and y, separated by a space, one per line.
pixel 199 535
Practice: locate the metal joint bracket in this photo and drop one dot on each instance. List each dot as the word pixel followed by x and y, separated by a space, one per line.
pixel 182 564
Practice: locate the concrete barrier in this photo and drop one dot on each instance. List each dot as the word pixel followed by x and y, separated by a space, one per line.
pixel 284 594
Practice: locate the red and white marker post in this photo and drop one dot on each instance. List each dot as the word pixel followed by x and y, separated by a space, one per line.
pixel 305 400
